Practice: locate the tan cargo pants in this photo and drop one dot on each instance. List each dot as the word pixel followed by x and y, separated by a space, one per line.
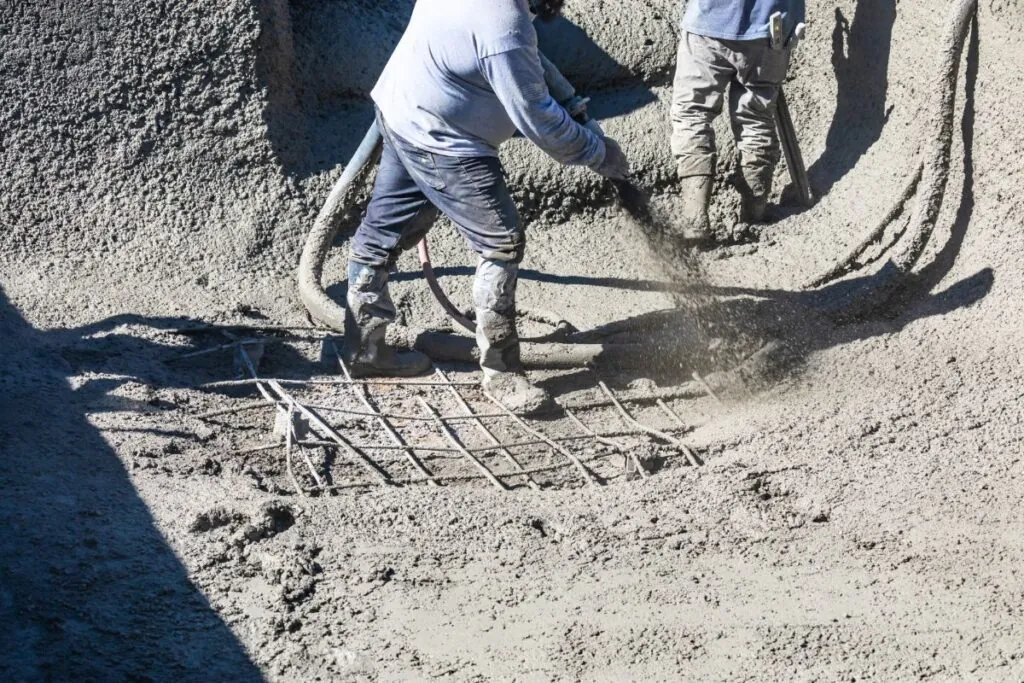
pixel 705 68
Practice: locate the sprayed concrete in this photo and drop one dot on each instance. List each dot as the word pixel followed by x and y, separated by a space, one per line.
pixel 859 518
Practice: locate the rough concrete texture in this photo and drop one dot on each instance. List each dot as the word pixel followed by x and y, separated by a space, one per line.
pixel 859 512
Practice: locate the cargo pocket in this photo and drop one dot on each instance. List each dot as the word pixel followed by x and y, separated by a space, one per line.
pixel 423 167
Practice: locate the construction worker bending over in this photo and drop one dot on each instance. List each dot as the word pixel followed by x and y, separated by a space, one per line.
pixel 464 77
pixel 728 44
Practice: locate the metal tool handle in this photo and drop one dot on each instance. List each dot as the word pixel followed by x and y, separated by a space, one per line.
pixel 777 35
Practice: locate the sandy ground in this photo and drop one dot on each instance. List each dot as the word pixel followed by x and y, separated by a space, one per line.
pixel 858 512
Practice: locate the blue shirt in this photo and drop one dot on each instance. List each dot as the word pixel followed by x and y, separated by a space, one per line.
pixel 466 75
pixel 740 19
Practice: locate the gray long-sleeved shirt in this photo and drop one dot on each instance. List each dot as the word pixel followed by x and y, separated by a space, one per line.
pixel 466 75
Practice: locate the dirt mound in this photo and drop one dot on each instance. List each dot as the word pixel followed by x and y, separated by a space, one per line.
pixel 857 513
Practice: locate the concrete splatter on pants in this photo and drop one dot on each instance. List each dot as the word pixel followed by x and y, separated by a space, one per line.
pixel 705 69
pixel 494 296
pixel 370 310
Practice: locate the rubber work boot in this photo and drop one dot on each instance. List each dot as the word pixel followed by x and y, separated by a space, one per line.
pixel 494 295
pixel 696 195
pixel 754 208
pixel 754 182
pixel 370 311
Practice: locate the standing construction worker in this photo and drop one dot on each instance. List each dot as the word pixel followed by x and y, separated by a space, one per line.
pixel 464 77
pixel 728 44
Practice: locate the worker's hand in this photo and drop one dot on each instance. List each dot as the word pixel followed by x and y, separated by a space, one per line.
pixel 615 164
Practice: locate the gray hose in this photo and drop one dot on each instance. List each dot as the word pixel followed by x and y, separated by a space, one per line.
pixel 929 180
pixel 325 229
pixel 939 138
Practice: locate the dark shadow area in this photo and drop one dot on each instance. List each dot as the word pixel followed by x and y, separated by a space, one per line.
pixel 575 54
pixel 860 59
pixel 537 276
pixel 89 589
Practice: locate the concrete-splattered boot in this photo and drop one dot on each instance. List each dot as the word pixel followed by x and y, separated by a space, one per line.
pixel 755 184
pixel 696 196
pixel 754 208
pixel 369 312
pixel 494 295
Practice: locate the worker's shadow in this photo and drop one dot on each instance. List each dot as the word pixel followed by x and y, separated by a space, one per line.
pixel 89 588
pixel 860 60
pixel 592 70
pixel 795 324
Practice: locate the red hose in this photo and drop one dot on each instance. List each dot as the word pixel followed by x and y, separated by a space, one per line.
pixel 439 294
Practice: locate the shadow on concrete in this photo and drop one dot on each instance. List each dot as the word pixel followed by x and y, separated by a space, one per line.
pixel 89 589
pixel 860 60
pixel 539 276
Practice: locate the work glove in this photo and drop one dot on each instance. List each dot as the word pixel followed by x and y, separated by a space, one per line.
pixel 615 165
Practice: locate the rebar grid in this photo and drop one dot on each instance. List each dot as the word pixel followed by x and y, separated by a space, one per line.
pixel 504 448
pixel 454 440
pixel 283 397
pixel 602 437
pixel 363 394
pixel 587 474
pixel 629 419
pixel 284 403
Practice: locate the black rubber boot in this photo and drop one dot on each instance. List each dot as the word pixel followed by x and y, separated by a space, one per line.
pixel 494 294
pixel 369 312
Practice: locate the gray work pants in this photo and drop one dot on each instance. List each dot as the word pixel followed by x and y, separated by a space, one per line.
pixel 705 68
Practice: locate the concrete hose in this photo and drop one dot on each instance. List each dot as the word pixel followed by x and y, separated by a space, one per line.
pixel 438 292
pixel 852 260
pixel 935 175
pixel 325 229
pixel 931 173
